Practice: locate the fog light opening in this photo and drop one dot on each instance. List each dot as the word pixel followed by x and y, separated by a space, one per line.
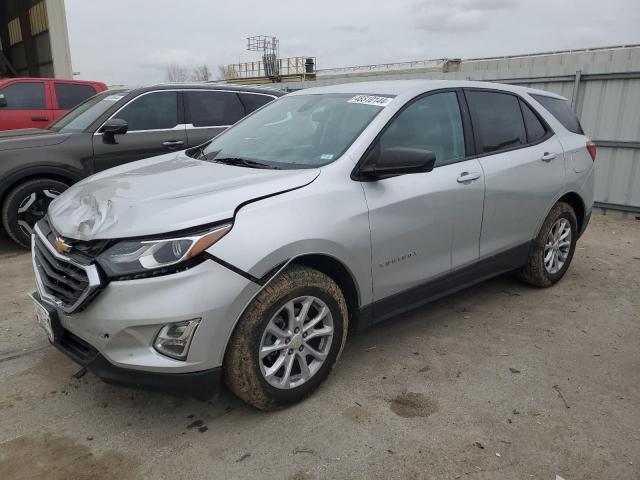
pixel 174 339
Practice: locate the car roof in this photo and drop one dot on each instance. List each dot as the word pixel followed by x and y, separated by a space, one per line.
pixel 209 86
pixel 411 88
pixel 36 79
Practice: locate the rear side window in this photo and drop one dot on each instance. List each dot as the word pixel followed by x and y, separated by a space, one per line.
pixel 430 123
pixel 153 111
pixel 497 119
pixel 69 94
pixel 210 109
pixel 561 109
pixel 536 131
pixel 253 102
pixel 25 96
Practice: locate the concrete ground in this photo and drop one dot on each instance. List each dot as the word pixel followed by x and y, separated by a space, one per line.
pixel 501 381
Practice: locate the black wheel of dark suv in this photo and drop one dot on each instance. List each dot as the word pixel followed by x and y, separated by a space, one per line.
pixel 26 204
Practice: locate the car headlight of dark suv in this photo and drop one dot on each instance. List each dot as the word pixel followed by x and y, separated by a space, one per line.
pixel 138 258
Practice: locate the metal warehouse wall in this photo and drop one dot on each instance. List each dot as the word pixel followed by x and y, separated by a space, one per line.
pixel 602 84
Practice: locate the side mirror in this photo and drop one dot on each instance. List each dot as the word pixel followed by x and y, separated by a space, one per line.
pixel 3 101
pixel 395 161
pixel 114 126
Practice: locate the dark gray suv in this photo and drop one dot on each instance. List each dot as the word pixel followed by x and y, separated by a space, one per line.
pixel 109 129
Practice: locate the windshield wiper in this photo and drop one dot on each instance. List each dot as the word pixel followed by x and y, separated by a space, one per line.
pixel 243 162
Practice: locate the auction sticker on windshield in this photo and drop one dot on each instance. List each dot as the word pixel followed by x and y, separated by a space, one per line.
pixel 371 100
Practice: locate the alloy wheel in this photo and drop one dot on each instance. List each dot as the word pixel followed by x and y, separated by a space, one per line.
pixel 33 207
pixel 296 342
pixel 557 246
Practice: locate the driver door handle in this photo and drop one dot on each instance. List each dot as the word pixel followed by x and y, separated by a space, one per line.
pixel 547 157
pixel 466 177
pixel 173 143
pixel 39 119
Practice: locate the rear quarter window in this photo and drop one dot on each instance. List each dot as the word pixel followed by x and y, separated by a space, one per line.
pixel 561 110
pixel 254 101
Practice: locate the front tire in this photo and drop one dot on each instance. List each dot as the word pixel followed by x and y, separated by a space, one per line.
pixel 288 339
pixel 552 250
pixel 26 204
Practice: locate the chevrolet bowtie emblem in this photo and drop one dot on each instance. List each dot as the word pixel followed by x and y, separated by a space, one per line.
pixel 61 246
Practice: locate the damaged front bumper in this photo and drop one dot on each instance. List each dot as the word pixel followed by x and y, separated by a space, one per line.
pixel 202 384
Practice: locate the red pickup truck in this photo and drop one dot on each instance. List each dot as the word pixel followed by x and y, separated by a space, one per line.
pixel 37 102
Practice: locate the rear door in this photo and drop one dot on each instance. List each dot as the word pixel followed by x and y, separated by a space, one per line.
pixel 67 95
pixel 425 224
pixel 27 105
pixel 210 112
pixel 156 126
pixel 523 164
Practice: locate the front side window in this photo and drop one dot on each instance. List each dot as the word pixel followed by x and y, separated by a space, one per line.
pixel 560 108
pixel 25 96
pixel 151 111
pixel 497 120
pixel 431 123
pixel 209 109
pixel 69 94
pixel 297 131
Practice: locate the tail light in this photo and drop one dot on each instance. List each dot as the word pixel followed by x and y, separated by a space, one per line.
pixel 591 147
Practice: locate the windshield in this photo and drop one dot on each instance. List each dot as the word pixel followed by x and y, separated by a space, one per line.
pixel 297 131
pixel 81 117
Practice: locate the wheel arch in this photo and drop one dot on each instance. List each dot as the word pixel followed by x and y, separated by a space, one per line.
pixel 36 173
pixel 339 273
pixel 575 201
pixel 327 264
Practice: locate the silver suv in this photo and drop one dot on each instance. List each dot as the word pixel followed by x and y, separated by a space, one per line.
pixel 250 258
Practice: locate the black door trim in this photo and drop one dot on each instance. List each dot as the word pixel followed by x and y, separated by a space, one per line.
pixel 446 284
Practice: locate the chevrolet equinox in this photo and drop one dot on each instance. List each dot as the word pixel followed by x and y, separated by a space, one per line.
pixel 249 259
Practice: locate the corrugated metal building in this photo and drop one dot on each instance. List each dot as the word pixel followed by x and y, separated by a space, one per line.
pixel 603 85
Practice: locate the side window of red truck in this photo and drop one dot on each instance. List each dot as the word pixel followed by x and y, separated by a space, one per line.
pixel 25 96
pixel 69 94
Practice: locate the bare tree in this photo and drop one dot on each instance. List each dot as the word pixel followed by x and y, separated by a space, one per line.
pixel 223 72
pixel 201 74
pixel 177 73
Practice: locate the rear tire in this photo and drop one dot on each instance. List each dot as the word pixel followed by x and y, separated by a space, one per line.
pixel 26 204
pixel 276 321
pixel 552 250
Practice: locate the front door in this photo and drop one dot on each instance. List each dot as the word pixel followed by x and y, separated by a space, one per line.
pixel 523 163
pixel 155 127
pixel 423 225
pixel 26 105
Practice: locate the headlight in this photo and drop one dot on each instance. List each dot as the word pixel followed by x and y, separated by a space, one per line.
pixel 138 256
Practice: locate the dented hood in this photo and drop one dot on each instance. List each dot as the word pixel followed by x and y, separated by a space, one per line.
pixel 164 194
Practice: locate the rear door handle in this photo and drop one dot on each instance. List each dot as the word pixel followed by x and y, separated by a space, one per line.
pixel 172 143
pixel 547 157
pixel 466 177
pixel 39 119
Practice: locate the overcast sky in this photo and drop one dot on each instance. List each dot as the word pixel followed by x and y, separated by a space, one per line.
pixel 132 41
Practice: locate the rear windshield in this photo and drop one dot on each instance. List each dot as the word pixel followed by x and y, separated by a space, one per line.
pixel 561 109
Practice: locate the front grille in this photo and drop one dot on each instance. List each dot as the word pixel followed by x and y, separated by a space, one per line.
pixel 59 278
pixel 62 281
